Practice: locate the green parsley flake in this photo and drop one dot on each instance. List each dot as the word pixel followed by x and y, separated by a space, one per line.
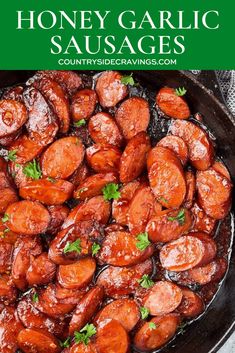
pixel 35 297
pixel 75 246
pixel 180 91
pixel 32 170
pixel 110 191
pixel 5 218
pixel 66 343
pixel 180 218
pixel 84 334
pixel 52 180
pixel 143 241
pixel 146 281
pixel 79 123
pixel 144 312
pixel 128 80
pixel 95 248
pixel 152 326
pixel 12 155
pixel 161 198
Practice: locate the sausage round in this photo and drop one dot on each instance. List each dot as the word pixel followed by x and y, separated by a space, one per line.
pixel 83 104
pixel 58 214
pixel 8 197
pixel 190 188
pixel 220 168
pixel 171 104
pixel 26 149
pixel 5 257
pixel 8 292
pixel 10 326
pixel 103 158
pixel 41 270
pixel 35 340
pixel 212 272
pixel 202 222
pixel 177 145
pixel 82 348
pixel 191 305
pixel 13 115
pixel 80 174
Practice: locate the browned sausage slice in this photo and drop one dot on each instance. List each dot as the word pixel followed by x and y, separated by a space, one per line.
pixel 125 311
pixel 157 332
pixel 202 222
pixel 212 272
pixel 47 191
pixel 26 149
pixel 8 196
pixel 15 93
pixel 111 337
pixel 94 184
pixel 83 104
pixel 109 89
pixel 103 158
pixel 76 275
pixel 8 292
pixel 214 193
pixel 35 340
pixel 177 145
pixel 82 348
pixel 104 130
pixel 13 115
pixel 62 158
pixel 220 168
pixel 120 249
pixel 10 326
pixel 201 150
pixel 191 305
pixel 85 309
pixel 169 225
pixel 58 215
pixel 190 188
pixel 27 217
pixel 133 116
pixel 80 174
pixel 171 104
pixel 5 257
pixel 134 157
pixel 41 270
pixel 163 298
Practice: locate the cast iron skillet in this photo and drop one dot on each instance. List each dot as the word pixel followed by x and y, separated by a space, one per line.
pixel 209 333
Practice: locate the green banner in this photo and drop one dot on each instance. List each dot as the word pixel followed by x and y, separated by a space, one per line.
pixel 105 34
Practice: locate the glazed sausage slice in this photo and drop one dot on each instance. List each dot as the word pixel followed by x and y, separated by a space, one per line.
pixel 26 149
pixel 202 222
pixel 10 326
pixel 119 249
pixel 13 115
pixel 80 174
pixel 55 95
pixel 191 305
pixel 6 141
pixel 35 340
pixel 109 89
pixel 85 309
pixel 5 256
pixel 111 337
pixel 103 158
pixel 163 298
pixel 133 116
pixel 68 296
pixel 58 214
pixel 15 93
pixel 104 130
pixel 41 270
pixel 148 338
pixel 177 145
pixel 171 104
pixel 201 150
pixel 8 196
pixel 42 124
pixel 134 157
pixel 119 281
pixel 62 158
pixel 27 217
pixel 168 225
pixel 76 275
pixel 190 188
pixel 94 184
pixel 83 104
pixel 82 348
pixel 120 206
pixel 8 292
pixel 47 191
pixel 125 311
pixel 214 193
pixel 220 168
pixel 212 272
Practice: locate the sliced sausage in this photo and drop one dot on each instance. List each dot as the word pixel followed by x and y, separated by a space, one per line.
pixel 62 158
pixel 109 89
pixel 27 217
pixel 119 249
pixel 171 104
pixel 212 272
pixel 7 236
pixel 8 196
pixel 76 275
pixel 177 145
pixel 103 158
pixel 125 311
pixel 190 188
pixel 41 270
pixel 214 193
pixel 69 296
pixel 120 206
pixel 58 214
pixel 85 309
pixel 15 93
pixel 55 95
pixel 8 292
pixel 111 337
pixel 13 115
pixel 148 338
pixel 191 305
pixel 201 150
pixel 168 225
pixel 163 298
pixel 94 184
pixel 104 130
pixel 5 257
pixel 202 222
pixel 26 149
pixel 220 168
pixel 80 174
pixel 82 348
pixel 10 326
pixel 83 104
pixel 35 340
pixel 134 157
pixel 47 191
pixel 42 124
pixel 133 116
pixel 119 281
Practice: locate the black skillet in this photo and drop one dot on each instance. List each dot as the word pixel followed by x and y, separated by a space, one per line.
pixel 209 333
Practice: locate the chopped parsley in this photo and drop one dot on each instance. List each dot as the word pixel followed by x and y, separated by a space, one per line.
pixel 35 297
pixel 75 246
pixel 32 170
pixel 95 248
pixel 143 241
pixel 66 343
pixel 180 91
pixel 5 218
pixel 128 80
pixel 144 312
pixel 79 123
pixel 180 218
pixel 52 180
pixel 146 281
pixel 110 191
pixel 84 334
pixel 152 325
pixel 12 155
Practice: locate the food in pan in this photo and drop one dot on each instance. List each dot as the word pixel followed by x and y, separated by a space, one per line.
pixel 111 238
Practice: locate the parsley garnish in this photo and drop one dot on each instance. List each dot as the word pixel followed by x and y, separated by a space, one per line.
pixel 75 246
pixel 146 281
pixel 80 123
pixel 66 343
pixel 12 155
pixel 35 297
pixel 52 180
pixel 152 325
pixel 180 218
pixel 180 91
pixel 161 198
pixel 84 334
pixel 143 241
pixel 95 248
pixel 5 218
pixel 128 80
pixel 144 312
pixel 110 191
pixel 32 170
